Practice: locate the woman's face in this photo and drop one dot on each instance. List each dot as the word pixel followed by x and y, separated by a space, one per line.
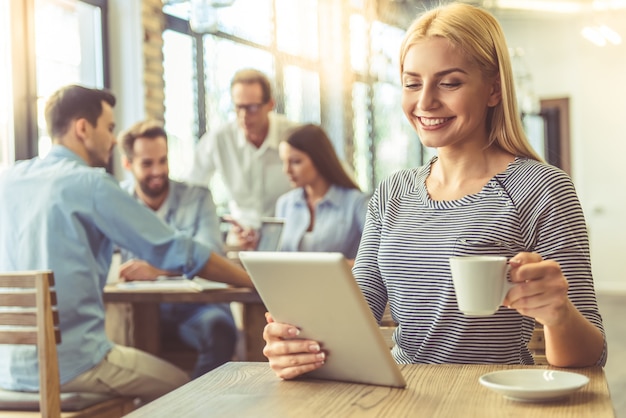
pixel 445 96
pixel 297 165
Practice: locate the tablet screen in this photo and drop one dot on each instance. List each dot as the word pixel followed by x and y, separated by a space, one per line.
pixel 270 234
pixel 317 293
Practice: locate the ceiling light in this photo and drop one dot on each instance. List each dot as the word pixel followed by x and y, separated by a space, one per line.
pixel 203 17
pixel 541 6
pixel 610 35
pixel 593 36
pixel 608 4
pixel 600 35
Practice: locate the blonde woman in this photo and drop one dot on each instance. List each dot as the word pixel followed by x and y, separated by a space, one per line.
pixel 486 192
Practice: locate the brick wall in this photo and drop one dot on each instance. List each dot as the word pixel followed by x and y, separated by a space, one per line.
pixel 153 22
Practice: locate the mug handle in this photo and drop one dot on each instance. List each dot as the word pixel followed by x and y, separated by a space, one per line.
pixel 507 284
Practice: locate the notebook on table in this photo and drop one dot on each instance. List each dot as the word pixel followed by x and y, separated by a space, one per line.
pixel 162 283
pixel 317 293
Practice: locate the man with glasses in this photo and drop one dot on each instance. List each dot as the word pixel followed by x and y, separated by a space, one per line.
pixel 244 152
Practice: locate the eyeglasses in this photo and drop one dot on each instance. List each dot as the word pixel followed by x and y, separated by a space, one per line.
pixel 251 108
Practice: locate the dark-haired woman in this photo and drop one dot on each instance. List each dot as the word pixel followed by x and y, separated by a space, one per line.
pixel 326 209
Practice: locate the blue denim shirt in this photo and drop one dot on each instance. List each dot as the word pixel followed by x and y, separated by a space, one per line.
pixel 188 209
pixel 339 221
pixel 60 214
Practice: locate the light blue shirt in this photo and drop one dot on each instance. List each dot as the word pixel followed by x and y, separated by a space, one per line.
pixel 58 213
pixel 339 221
pixel 188 209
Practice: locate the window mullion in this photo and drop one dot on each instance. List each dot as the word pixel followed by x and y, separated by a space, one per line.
pixel 24 78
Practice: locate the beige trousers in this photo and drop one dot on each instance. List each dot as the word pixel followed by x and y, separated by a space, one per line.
pixel 129 372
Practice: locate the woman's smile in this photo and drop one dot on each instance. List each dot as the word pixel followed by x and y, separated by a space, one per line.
pixel 433 123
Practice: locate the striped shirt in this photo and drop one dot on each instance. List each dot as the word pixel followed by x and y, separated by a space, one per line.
pixel 408 239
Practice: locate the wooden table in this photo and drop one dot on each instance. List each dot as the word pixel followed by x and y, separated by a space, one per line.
pixel 145 330
pixel 252 390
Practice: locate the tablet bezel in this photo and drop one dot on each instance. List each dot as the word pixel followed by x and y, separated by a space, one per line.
pixel 317 293
pixel 274 228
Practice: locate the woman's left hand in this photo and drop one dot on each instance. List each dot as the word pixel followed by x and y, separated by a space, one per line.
pixel 540 289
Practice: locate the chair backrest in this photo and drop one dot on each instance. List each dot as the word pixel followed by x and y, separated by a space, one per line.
pixel 28 315
pixel 537 345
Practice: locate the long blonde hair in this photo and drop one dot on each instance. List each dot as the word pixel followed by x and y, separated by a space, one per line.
pixel 476 32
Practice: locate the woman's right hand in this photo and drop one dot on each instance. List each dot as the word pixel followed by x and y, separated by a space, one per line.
pixel 241 237
pixel 288 355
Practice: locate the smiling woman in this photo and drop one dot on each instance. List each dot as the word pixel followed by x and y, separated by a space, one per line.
pixel 485 193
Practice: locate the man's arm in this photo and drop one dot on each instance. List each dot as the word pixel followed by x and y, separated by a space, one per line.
pixel 136 228
pixel 133 270
pixel 220 269
pixel 216 268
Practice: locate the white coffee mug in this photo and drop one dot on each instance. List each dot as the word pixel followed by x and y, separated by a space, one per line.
pixel 480 283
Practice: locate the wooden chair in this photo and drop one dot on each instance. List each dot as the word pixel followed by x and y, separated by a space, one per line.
pixel 387 327
pixel 537 345
pixel 28 315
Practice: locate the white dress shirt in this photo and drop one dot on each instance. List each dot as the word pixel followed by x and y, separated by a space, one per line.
pixel 252 176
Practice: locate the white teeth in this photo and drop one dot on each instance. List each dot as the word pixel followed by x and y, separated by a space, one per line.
pixel 433 122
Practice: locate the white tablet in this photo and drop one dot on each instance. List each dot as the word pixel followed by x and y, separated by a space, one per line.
pixel 317 293
pixel 270 234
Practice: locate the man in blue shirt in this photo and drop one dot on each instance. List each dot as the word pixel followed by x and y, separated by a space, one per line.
pixel 208 328
pixel 65 213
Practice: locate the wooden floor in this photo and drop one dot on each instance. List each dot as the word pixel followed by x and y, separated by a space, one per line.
pixel 613 310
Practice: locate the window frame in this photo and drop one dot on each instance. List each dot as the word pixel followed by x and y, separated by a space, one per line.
pixel 24 72
pixel 339 126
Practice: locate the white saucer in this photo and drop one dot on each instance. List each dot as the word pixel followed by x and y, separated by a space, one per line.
pixel 533 385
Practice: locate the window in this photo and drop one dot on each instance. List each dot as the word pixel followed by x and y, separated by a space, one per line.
pixel 393 133
pixel 380 128
pixel 69 49
pixel 67 45
pixel 250 20
pixel 302 104
pixel 223 57
pixel 246 35
pixel 349 85
pixel 7 151
pixel 297 28
pixel 180 96
pixel 361 106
